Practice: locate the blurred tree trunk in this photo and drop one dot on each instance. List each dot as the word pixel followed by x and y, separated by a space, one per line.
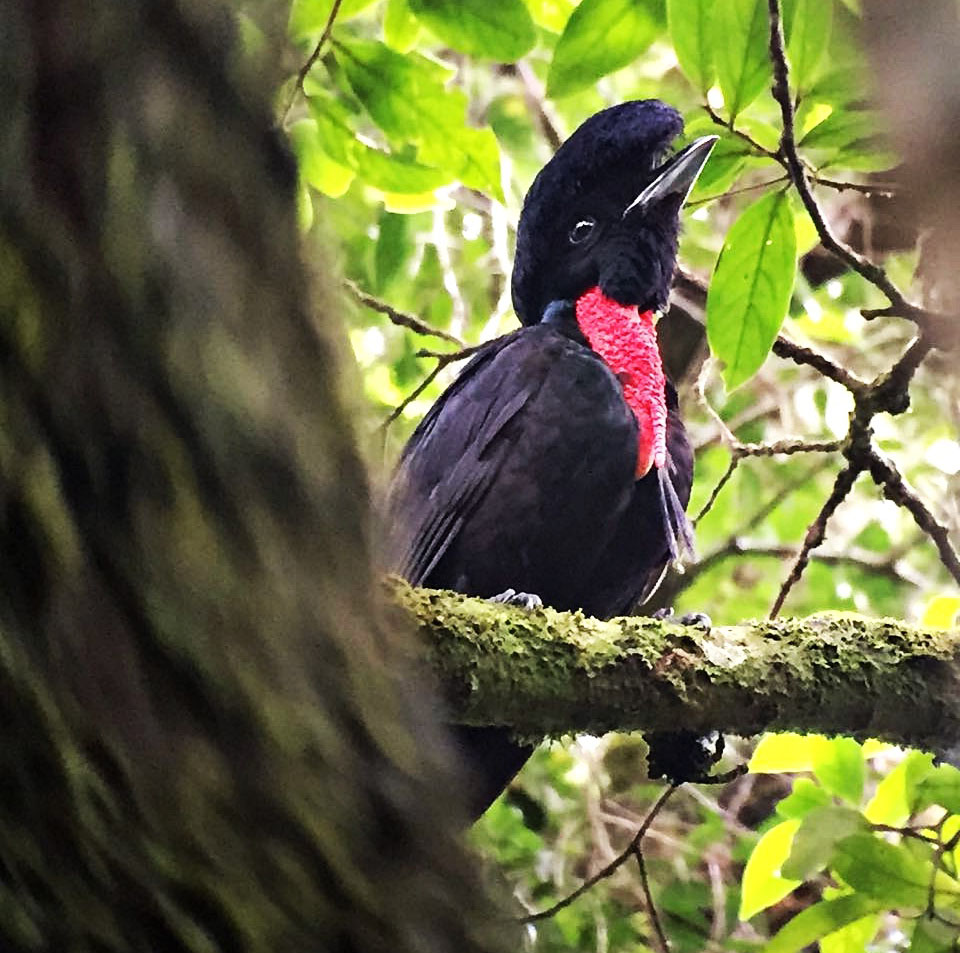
pixel 210 742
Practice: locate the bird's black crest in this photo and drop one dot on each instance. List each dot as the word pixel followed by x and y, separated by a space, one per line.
pixel 595 174
pixel 637 133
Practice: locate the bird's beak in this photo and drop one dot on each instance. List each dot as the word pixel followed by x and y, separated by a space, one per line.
pixel 677 177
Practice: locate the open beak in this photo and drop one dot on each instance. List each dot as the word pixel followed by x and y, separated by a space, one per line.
pixel 677 177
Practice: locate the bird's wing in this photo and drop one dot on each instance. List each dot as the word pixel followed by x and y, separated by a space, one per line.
pixel 510 443
pixel 439 478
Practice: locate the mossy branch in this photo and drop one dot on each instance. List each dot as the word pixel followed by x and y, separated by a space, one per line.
pixel 548 673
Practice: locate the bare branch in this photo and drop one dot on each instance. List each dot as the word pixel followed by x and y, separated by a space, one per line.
pixel 401 318
pixel 816 530
pixel 442 359
pixel 632 849
pixel 895 488
pixel 740 134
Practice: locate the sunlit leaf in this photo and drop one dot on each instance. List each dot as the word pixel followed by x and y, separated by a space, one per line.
pixel 495 29
pixel 763 884
pixel 316 167
pixel 691 31
pixel 893 801
pixel 751 286
pixel 601 36
pixel 854 937
pixel 785 752
pixel 406 97
pixel 941 612
pixel 394 174
pixel 400 26
pixel 839 766
pixel 552 15
pixel 741 32
pixel 309 17
pixel 819 920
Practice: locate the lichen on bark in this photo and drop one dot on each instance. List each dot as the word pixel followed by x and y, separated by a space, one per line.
pixel 546 673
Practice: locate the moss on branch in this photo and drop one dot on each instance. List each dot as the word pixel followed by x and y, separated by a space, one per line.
pixel 547 673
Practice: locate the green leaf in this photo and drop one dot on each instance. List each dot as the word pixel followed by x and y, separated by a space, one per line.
pixel 893 801
pixel 393 246
pixel 763 884
pixel 808 34
pixel 805 796
pixel 495 29
pixel 316 167
pixel 883 871
pixel 751 286
pixel 406 97
pixel 400 26
pixel 383 170
pixel 690 23
pixel 601 36
pixel 940 786
pixel 785 751
pixel 552 15
pixel 840 768
pixel 727 160
pixel 391 173
pixel 818 921
pixel 819 833
pixel 743 64
pixel 309 17
pixel 932 936
pixel 842 128
pixel 854 937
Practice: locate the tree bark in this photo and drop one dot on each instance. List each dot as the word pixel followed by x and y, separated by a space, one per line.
pixel 210 741
pixel 550 673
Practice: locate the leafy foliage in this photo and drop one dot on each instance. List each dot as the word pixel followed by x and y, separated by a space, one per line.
pixel 417 131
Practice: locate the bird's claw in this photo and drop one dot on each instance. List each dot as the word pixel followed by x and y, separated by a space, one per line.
pixel 699 620
pixel 524 600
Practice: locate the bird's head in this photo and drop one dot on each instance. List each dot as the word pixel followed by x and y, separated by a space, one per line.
pixel 604 212
pixel 597 245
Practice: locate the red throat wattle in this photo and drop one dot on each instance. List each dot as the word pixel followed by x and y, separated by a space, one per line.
pixel 626 340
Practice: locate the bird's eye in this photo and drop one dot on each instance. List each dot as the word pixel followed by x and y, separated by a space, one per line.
pixel 581 231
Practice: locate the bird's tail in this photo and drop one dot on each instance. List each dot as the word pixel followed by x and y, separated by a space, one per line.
pixel 678 530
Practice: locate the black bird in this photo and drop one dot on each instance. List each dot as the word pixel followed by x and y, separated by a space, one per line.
pixel 557 463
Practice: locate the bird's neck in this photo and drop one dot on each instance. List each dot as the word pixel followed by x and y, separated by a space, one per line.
pixel 626 340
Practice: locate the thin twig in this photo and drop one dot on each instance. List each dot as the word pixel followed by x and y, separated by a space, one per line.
pixel 662 942
pixel 443 359
pixel 884 191
pixel 895 488
pixel 740 134
pixel 740 191
pixel 401 318
pixel 631 849
pixel 816 531
pixel 314 56
pixel 721 483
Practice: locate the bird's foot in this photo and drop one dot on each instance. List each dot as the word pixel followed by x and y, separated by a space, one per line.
pixel 699 620
pixel 681 756
pixel 525 600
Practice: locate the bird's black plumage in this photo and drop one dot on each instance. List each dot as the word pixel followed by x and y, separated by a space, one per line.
pixel 523 474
